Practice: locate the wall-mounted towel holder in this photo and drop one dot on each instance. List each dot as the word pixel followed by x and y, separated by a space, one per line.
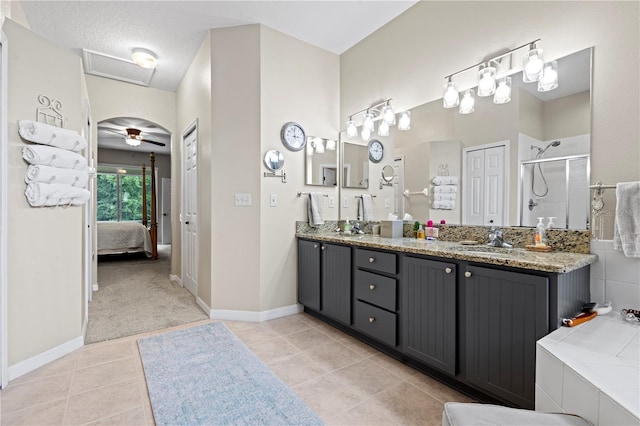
pixel 424 192
pixel 300 194
pixel 283 175
pixel 360 196
pixel 50 112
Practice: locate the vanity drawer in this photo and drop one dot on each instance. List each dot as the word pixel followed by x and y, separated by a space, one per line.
pixel 376 289
pixel 376 322
pixel 376 260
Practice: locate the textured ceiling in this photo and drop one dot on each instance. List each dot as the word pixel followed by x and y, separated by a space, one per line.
pixel 174 30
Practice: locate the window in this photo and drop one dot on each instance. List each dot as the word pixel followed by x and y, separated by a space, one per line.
pixel 120 194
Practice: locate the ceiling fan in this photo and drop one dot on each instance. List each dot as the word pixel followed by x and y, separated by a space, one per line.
pixel 134 137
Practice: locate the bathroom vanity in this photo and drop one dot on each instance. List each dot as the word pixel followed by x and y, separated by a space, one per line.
pixel 467 315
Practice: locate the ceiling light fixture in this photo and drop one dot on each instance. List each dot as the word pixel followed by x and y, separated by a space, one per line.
pixel 492 79
pixel 381 111
pixel 132 141
pixel 144 58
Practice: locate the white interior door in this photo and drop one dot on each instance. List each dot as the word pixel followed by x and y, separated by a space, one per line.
pixel 189 209
pixel 474 188
pixel 494 186
pixel 165 219
pixel 4 360
pixel 398 186
pixel 484 189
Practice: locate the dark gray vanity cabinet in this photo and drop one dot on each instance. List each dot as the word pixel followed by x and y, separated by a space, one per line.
pixel 429 312
pixel 506 313
pixel 324 278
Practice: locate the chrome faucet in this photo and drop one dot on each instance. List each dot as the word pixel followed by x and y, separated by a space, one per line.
pixel 496 240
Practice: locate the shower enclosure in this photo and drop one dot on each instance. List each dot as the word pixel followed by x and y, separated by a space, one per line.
pixel 555 187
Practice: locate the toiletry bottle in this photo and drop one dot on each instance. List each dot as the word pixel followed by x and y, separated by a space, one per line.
pixel 551 224
pixel 541 233
pixel 347 226
pixel 420 233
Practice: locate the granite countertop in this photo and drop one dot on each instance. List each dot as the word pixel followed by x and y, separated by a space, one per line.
pixel 556 261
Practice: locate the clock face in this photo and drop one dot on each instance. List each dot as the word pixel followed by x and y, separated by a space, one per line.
pixel 293 136
pixel 376 150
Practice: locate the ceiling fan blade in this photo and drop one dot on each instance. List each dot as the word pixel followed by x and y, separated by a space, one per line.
pixel 154 142
pixel 112 131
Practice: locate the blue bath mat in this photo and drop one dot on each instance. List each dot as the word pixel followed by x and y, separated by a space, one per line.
pixel 205 375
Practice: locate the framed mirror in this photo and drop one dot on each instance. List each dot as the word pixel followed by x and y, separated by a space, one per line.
pixel 274 160
pixel 387 173
pixel 321 162
pixel 355 165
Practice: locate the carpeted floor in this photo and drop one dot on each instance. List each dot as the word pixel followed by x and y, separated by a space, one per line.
pixel 135 296
pixel 205 375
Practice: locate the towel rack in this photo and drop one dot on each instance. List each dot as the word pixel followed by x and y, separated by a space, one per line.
pixel 360 196
pixel 300 194
pixel 599 187
pixel 424 192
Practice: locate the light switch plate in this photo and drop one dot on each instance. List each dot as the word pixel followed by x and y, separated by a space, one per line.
pixel 331 202
pixel 386 202
pixel 273 200
pixel 243 199
pixel 345 203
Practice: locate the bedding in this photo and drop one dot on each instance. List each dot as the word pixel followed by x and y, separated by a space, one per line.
pixel 123 237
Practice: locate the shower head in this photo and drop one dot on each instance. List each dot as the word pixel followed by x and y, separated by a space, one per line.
pixel 551 144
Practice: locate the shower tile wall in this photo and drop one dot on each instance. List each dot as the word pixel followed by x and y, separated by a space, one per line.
pixel 614 277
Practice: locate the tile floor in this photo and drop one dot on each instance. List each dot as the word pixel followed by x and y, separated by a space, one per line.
pixel 343 380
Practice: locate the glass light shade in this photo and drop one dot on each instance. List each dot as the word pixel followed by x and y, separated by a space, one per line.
pixel 450 96
pixel 383 129
pixel 368 122
pixel 467 103
pixel 533 66
pixel 310 147
pixel 352 129
pixel 549 80
pixel 487 83
pixel 388 116
pixel 503 91
pixel 331 145
pixel 144 58
pixel 366 134
pixel 319 145
pixel 133 141
pixel 404 123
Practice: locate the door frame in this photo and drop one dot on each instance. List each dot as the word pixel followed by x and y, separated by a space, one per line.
pixel 89 218
pixel 4 141
pixel 190 128
pixel 507 161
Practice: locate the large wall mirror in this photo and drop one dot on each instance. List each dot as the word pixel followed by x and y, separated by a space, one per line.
pixel 355 165
pixel 546 145
pixel 321 161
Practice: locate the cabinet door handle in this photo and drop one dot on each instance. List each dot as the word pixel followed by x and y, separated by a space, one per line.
pixel 371 319
pixel 315 246
pixel 322 248
pixel 372 286
pixel 467 274
pixel 371 260
pixel 447 270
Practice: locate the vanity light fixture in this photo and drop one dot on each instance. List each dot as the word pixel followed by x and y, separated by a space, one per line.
pixel 331 145
pixel 144 58
pixel 492 79
pixel 381 111
pixel 404 123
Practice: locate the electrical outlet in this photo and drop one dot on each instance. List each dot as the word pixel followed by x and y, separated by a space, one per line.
pixel 345 203
pixel 331 203
pixel 386 202
pixel 243 199
pixel 273 200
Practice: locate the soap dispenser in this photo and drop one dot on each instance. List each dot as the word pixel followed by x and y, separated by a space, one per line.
pixel 551 224
pixel 541 233
pixel 347 226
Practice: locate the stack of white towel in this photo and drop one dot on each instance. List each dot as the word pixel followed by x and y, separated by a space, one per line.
pixel 57 174
pixel 445 191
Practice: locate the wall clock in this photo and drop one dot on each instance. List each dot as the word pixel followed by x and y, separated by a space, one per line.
pixel 293 136
pixel 376 150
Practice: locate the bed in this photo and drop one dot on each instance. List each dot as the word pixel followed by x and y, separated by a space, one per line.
pixel 123 237
pixel 133 237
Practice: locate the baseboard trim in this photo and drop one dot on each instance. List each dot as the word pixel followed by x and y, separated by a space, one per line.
pixel 203 306
pixel 95 287
pixel 176 279
pixel 252 316
pixel 28 365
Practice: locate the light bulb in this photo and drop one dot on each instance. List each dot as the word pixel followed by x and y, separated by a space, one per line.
pixel 383 129
pixel 366 134
pixel 352 130
pixel 533 63
pixel 368 122
pixel 451 97
pixel 404 123
pixel 549 80
pixel 467 103
pixel 388 116
pixel 503 91
pixel 487 83
pixel 331 145
pixel 319 145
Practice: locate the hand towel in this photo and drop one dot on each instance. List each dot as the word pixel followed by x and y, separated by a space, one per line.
pixel 443 205
pixel 367 207
pixel 445 180
pixel 315 209
pixel 47 134
pixel 48 174
pixel 445 189
pixel 44 194
pixel 444 197
pixel 626 228
pixel 54 157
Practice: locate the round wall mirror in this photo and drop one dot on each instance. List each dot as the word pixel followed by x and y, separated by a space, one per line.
pixel 387 173
pixel 274 160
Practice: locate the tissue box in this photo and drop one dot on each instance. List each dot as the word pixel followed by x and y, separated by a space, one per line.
pixel 391 228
